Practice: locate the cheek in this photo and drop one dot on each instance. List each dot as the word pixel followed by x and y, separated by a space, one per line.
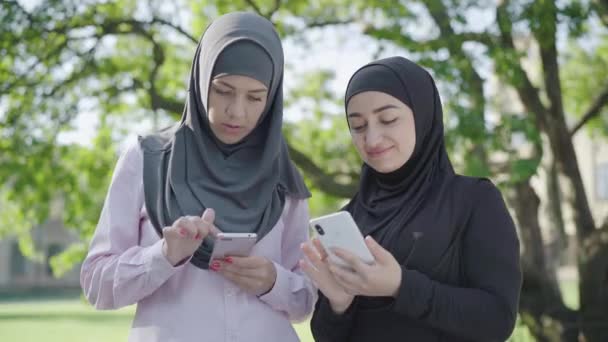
pixel 359 144
pixel 215 110
pixel 255 113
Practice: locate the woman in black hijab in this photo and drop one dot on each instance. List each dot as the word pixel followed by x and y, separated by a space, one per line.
pixel 446 250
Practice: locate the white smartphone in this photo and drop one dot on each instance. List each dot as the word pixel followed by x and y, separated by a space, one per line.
pixel 233 244
pixel 340 230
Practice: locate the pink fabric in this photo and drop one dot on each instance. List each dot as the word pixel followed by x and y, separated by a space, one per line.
pixel 125 265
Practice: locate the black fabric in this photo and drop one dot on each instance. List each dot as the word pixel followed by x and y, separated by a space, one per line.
pixel 462 281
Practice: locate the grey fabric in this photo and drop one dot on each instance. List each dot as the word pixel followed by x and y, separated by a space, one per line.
pixel 257 65
pixel 187 169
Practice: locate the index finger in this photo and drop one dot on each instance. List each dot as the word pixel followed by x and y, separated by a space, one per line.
pixel 320 249
pixel 247 262
pixel 351 259
pixel 208 217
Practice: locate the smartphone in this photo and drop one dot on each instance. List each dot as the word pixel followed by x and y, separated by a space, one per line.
pixel 233 244
pixel 340 230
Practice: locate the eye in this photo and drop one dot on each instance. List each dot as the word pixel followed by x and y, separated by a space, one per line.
pixel 221 92
pixel 388 122
pixel 254 99
pixel 357 129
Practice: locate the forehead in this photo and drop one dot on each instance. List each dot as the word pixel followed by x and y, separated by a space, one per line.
pixel 239 82
pixel 367 101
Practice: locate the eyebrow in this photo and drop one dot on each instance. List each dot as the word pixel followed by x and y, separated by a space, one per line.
pixel 233 88
pixel 375 111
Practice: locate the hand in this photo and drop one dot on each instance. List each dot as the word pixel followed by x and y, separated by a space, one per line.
pixel 254 274
pixel 383 278
pixel 317 269
pixel 186 234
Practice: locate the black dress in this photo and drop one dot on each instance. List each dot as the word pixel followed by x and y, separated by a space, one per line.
pixel 461 283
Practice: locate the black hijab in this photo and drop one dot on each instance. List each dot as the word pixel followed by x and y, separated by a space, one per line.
pixel 187 169
pixel 386 202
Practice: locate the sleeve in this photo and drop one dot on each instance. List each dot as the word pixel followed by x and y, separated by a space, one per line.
pixel 292 293
pixel 326 325
pixel 117 271
pixel 487 309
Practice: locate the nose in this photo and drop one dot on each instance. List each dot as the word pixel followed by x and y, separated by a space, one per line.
pixel 373 137
pixel 237 108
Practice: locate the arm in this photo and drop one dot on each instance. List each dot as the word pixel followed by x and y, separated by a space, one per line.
pixel 326 325
pixel 117 271
pixel 487 309
pixel 292 293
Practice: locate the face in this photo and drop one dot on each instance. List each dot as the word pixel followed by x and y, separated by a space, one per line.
pixel 236 104
pixel 382 129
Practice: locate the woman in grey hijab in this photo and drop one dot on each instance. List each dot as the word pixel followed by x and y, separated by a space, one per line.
pixel 223 167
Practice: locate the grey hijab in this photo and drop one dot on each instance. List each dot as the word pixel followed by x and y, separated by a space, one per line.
pixel 187 169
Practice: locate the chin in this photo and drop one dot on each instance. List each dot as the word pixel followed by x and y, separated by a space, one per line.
pixel 383 167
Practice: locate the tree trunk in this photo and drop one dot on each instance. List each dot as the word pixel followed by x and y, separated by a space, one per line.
pixel 559 239
pixel 541 306
pixel 593 269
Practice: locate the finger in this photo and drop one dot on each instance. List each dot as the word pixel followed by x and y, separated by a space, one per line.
pixel 379 253
pixel 191 224
pixel 243 272
pixel 351 287
pixel 347 278
pixel 202 228
pixel 320 249
pixel 308 268
pixel 312 255
pixel 352 260
pixel 208 218
pixel 312 273
pixel 250 262
pixel 170 232
pixel 208 215
pixel 182 226
pixel 243 282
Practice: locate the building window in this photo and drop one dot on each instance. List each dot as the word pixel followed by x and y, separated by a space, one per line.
pixel 53 250
pixel 601 181
pixel 17 260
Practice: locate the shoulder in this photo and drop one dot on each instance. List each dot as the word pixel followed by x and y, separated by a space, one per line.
pixel 159 141
pixel 130 159
pixel 479 189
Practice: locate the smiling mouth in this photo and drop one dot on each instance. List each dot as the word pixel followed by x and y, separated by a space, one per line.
pixel 378 153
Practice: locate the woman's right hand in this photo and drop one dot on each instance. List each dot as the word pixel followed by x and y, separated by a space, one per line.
pixel 317 268
pixel 186 234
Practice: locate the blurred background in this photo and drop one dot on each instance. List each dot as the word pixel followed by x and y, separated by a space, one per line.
pixel 524 87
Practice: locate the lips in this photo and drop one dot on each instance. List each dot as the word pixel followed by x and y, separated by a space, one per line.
pixel 231 129
pixel 377 152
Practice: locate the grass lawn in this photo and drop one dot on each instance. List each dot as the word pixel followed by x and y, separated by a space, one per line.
pixel 72 320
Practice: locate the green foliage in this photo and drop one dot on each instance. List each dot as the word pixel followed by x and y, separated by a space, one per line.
pixel 128 60
pixel 581 82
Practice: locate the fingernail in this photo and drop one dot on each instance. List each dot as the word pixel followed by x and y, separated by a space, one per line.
pixel 213 268
pixel 182 232
pixel 197 236
pixel 228 260
pixel 215 264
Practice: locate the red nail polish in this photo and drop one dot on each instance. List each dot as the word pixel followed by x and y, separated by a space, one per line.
pixel 182 232
pixel 197 236
pixel 215 264
pixel 228 260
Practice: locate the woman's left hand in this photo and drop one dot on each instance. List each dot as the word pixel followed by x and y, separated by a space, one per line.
pixel 383 278
pixel 253 274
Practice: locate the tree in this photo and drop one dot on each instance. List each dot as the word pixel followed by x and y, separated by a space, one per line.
pixel 121 59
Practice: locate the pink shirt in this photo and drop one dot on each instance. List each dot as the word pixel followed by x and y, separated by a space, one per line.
pixel 125 265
